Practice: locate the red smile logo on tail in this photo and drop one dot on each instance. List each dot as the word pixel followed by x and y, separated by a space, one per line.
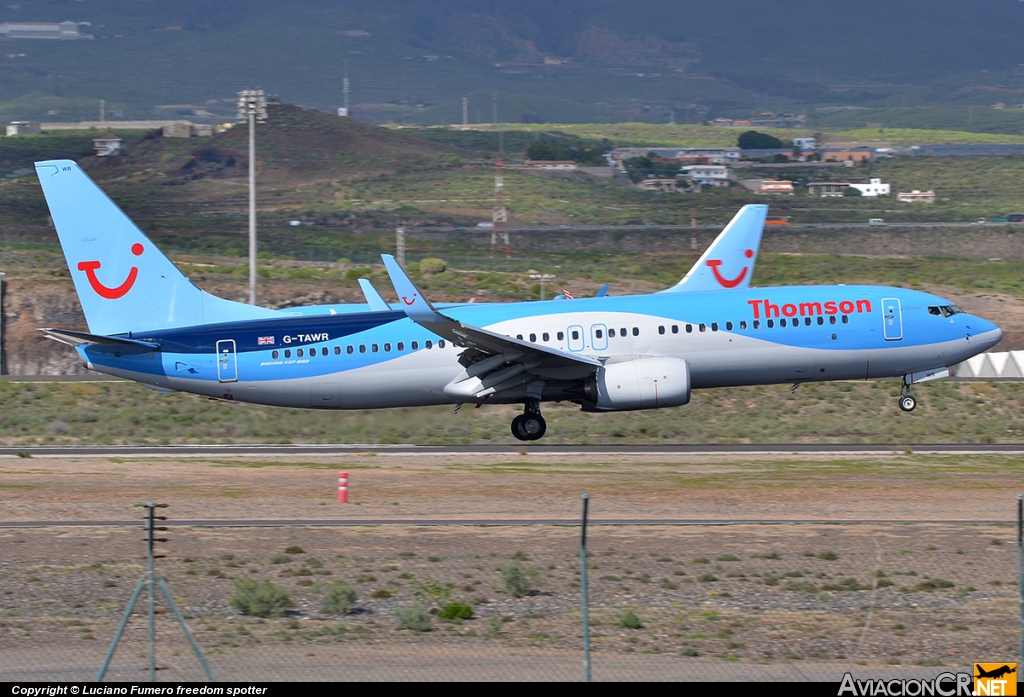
pixel 89 267
pixel 729 282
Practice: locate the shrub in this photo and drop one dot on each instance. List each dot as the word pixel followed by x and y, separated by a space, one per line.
pixel 339 598
pixel 707 578
pixel 456 610
pixel 727 557
pixel 701 560
pixel 294 549
pixel 518 580
pixel 281 559
pixel 432 265
pixel 828 556
pixel 415 618
pixel 382 593
pixel 629 620
pixel 262 599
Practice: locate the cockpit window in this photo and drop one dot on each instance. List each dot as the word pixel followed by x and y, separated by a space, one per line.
pixel 944 310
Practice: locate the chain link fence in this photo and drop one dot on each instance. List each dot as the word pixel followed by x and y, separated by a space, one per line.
pixel 743 602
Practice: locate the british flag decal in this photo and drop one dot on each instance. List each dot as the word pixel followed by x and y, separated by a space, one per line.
pixel 265 341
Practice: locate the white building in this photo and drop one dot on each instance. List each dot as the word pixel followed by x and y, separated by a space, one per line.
pixel 707 175
pixel 805 144
pixel 874 188
pixel 20 128
pixel 916 196
pixel 107 145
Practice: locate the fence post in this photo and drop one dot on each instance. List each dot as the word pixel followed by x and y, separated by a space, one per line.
pixel 1020 568
pixel 583 589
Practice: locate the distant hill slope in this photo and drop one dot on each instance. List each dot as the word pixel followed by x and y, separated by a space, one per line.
pixel 413 60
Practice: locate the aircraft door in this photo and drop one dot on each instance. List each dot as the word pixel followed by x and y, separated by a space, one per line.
pixel 575 336
pixel 599 337
pixel 892 318
pixel 227 361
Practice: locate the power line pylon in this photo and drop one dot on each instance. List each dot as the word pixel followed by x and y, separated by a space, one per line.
pixel 499 218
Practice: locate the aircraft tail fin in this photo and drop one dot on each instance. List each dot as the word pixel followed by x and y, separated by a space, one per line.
pixel 123 281
pixel 729 261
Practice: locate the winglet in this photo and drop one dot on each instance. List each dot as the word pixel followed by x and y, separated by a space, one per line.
pixel 373 298
pixel 410 298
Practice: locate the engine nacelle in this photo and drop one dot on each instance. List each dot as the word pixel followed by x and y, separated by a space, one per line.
pixel 642 383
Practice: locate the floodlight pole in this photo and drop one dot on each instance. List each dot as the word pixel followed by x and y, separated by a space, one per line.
pixel 252 105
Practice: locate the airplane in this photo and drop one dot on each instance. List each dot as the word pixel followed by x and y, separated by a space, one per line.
pixel 148 323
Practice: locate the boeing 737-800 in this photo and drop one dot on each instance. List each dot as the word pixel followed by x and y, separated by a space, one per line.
pixel 148 323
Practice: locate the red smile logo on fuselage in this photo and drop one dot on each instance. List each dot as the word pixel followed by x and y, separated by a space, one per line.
pixel 89 267
pixel 729 282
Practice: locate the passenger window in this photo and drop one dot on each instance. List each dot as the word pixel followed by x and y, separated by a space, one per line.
pixel 796 324
pixel 428 343
pixel 561 335
pixel 337 350
pixel 287 353
pixel 519 336
pixel 821 320
pixel 846 319
pixel 387 347
pixel 661 329
pixel 575 335
pixel 636 331
pixel 807 321
pixel 714 326
pixel 350 349
pixel 545 336
pixel 374 347
pixel 757 324
pixel 533 338
pixel 611 333
pixel 728 326
pixel 415 345
pixel 401 346
pixel 598 333
pixel 440 344
pixel 324 351
pixel 832 319
pixel 298 353
pixel 701 327
pixel 771 323
pixel 362 348
pixel 689 329
pixel 675 328
pixel 274 355
pixel 743 324
pixel 622 332
pixel 782 322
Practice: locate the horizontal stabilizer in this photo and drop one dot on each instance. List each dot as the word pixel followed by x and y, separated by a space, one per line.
pixel 74 338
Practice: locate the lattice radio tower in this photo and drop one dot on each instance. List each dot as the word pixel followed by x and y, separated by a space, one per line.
pixel 499 219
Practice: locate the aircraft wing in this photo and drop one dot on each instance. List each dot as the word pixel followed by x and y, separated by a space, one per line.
pixel 491 359
pixel 373 298
pixel 75 338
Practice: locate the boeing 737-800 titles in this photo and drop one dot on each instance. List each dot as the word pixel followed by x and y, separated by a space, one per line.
pixel 148 323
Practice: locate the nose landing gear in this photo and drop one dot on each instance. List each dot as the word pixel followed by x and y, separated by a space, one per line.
pixel 907 401
pixel 530 425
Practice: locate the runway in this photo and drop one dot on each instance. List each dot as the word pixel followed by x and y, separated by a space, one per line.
pixel 480 522
pixel 511 449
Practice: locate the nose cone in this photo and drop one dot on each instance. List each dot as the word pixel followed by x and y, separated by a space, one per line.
pixel 986 334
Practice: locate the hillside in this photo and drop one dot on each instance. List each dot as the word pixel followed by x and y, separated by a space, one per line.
pixel 574 60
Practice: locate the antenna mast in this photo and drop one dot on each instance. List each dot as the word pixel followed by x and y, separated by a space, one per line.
pixel 499 219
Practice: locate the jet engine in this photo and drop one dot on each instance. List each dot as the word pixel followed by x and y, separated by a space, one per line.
pixel 641 383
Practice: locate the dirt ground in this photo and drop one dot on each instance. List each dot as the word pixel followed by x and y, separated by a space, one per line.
pixel 780 601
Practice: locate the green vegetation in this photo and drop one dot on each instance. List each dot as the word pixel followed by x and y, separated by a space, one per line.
pixel 630 620
pixel 455 611
pixel 754 140
pixel 339 598
pixel 260 599
pixel 517 579
pixel 414 618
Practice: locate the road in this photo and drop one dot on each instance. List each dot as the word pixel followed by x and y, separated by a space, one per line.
pixel 510 449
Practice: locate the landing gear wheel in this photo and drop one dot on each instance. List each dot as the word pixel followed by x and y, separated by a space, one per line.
pixel 907 403
pixel 516 430
pixel 531 427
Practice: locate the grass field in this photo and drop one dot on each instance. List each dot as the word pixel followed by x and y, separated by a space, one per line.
pixel 844 412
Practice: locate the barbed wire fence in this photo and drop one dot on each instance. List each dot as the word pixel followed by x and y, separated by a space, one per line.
pixel 743 602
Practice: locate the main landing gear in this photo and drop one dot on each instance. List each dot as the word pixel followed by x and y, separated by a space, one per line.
pixel 907 402
pixel 530 425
